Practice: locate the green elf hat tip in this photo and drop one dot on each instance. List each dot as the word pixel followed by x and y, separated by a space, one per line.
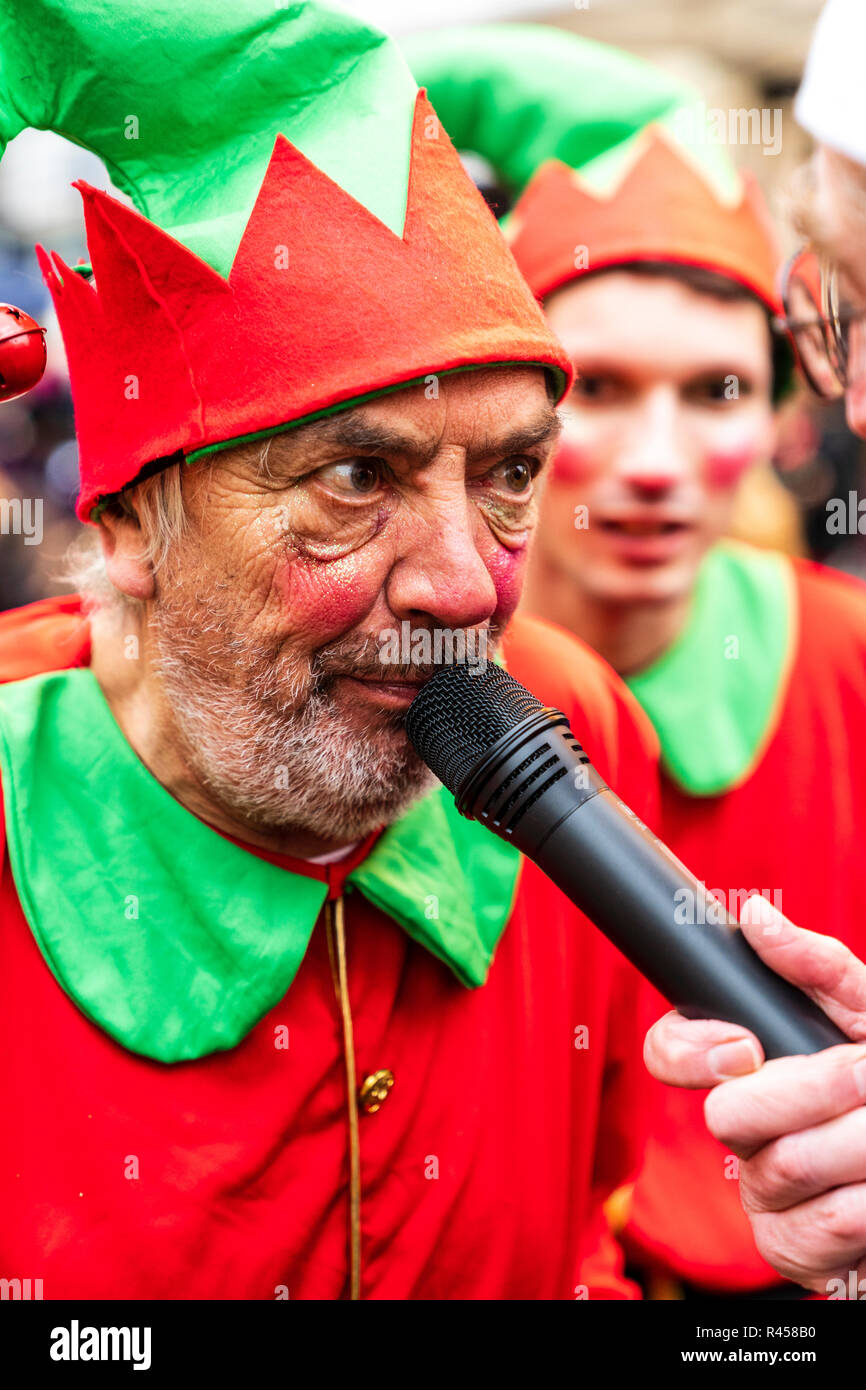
pixel 522 95
pixel 302 235
pixel 188 129
pixel 618 161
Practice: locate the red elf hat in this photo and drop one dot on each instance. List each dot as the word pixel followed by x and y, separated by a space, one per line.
pixel 369 266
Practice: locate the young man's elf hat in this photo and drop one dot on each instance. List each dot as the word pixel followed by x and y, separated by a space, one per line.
pixel 664 209
pixel 303 234
pixel 612 159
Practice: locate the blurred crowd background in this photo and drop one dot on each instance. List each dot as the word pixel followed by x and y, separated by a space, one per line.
pixel 739 53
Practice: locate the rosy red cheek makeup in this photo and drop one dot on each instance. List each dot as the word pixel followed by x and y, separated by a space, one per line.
pixel 571 463
pixel 331 596
pixel 724 467
pixel 506 568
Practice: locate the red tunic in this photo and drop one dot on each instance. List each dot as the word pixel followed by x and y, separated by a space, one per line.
pixel 484 1171
pixel 795 829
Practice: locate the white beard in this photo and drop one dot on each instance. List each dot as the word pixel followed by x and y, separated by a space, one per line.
pixel 262 733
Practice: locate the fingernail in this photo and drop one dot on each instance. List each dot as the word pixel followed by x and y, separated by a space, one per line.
pixel 758 911
pixel 734 1059
pixel 859 1074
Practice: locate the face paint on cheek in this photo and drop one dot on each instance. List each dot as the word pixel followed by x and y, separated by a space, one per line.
pixel 329 598
pixel 725 467
pixel 506 569
pixel 571 464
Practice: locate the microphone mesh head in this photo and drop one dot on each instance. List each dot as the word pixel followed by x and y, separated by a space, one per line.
pixel 460 713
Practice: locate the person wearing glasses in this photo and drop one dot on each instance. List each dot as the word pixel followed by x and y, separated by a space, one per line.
pixel 825 283
pixel 823 319
pixel 662 286
pixel 797 1126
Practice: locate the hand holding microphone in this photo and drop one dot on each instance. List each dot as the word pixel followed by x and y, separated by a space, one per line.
pixel 796 1123
pixel 514 764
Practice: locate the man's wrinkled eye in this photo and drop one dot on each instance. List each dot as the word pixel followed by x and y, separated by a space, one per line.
pixel 353 477
pixel 515 475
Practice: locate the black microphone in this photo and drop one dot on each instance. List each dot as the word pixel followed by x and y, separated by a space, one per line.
pixel 514 764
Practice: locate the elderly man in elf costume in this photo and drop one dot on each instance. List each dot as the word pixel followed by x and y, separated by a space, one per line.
pixel 276 1022
pixel 658 271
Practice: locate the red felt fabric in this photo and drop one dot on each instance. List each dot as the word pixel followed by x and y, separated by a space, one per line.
pixel 243 1158
pixel 323 303
pixel 797 825
pixel 662 210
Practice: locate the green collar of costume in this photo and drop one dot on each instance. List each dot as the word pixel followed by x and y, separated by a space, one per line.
pixel 169 936
pixel 715 696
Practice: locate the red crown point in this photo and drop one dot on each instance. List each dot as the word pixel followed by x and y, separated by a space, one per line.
pixel 663 209
pixel 22 352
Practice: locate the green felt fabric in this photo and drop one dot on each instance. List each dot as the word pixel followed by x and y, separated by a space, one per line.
pixel 206 87
pixel 169 936
pixel 520 94
pixel 449 886
pixel 715 695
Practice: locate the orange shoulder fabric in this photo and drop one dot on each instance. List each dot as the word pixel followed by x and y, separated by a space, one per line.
pixel 841 595
pixel 605 717
pixel 50 635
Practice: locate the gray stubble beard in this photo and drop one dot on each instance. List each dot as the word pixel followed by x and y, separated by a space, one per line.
pixel 263 734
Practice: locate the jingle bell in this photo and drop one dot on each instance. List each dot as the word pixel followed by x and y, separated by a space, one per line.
pixel 22 352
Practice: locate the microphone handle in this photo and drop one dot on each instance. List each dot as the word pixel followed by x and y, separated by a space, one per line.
pixel 630 885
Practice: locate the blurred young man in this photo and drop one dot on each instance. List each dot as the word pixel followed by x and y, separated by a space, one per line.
pixel 751 667
pixel 797 1123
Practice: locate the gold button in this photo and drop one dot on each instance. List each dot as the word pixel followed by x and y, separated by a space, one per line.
pixel 375 1090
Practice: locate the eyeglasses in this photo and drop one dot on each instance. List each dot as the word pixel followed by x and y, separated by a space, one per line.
pixel 826 331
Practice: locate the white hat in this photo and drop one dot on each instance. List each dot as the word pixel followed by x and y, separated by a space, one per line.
pixel 831 103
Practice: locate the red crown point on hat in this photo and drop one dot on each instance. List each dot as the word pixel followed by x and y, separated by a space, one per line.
pixel 662 209
pixel 323 304
pixel 22 352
